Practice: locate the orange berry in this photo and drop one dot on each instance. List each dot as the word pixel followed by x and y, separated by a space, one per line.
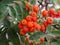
pixel 33 14
pixel 20 26
pixel 24 22
pixel 45 23
pixel 26 38
pixel 35 25
pixel 22 32
pixel 42 28
pixel 25 29
pixel 49 20
pixel 26 4
pixel 38 27
pixel 44 13
pixel 35 8
pixel 32 29
pixel 27 7
pixel 34 19
pixel 30 24
pixel 58 14
pixel 28 18
pixel 42 40
pixel 51 11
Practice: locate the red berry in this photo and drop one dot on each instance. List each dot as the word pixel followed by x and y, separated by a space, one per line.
pixel 26 38
pixel 42 40
pixel 32 29
pixel 35 25
pixel 22 32
pixel 35 8
pixel 34 19
pixel 49 20
pixel 58 14
pixel 51 11
pixel 26 29
pixel 38 27
pixel 44 13
pixel 42 28
pixel 30 24
pixel 45 23
pixel 54 15
pixel 24 22
pixel 33 14
pixel 20 26
pixel 28 18
pixel 27 7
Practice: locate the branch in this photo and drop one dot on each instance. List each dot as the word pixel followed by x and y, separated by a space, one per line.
pixel 52 38
pixel 56 26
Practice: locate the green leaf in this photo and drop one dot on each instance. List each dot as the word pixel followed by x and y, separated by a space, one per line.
pixel 3 40
pixel 6 22
pixel 13 37
pixel 37 35
pixel 3 15
pixel 33 2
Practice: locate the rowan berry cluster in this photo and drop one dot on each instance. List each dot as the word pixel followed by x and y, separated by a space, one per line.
pixel 29 24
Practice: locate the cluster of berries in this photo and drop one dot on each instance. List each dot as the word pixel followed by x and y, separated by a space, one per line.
pixel 31 42
pixel 29 24
pixel 51 13
pixel 35 8
pixel 48 22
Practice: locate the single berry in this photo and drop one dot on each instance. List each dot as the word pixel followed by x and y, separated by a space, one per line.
pixel 33 14
pixel 42 40
pixel 42 28
pixel 26 29
pixel 32 29
pixel 28 18
pixel 24 22
pixel 34 19
pixel 35 8
pixel 35 25
pixel 58 14
pixel 20 26
pixel 44 13
pixel 27 7
pixel 30 24
pixel 26 38
pixel 45 23
pixel 49 20
pixel 22 32
pixel 52 12
pixel 38 27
